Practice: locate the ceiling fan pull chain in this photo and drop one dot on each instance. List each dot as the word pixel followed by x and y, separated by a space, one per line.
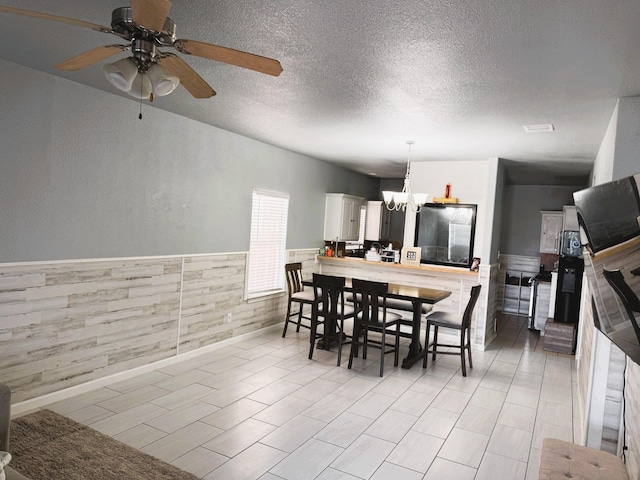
pixel 140 114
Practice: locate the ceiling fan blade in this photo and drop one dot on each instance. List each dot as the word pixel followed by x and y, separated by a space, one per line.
pixel 150 14
pixel 56 18
pixel 228 55
pixel 189 78
pixel 90 57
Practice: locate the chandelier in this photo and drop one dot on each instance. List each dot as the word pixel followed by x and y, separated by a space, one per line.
pixel 400 200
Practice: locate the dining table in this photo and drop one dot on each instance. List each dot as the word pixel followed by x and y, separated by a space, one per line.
pixel 414 297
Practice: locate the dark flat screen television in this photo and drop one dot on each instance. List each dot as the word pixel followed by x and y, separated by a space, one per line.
pixel 608 213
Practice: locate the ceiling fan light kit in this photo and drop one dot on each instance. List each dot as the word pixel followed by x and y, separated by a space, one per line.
pixel 146 26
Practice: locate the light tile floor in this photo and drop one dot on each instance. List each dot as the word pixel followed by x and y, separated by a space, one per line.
pixel 261 410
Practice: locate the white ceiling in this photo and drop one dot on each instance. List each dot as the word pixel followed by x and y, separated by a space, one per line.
pixel 460 77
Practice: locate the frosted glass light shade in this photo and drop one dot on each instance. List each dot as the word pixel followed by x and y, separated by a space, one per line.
pixel 163 83
pixel 141 86
pixel 420 198
pixel 121 73
pixel 400 197
pixel 387 196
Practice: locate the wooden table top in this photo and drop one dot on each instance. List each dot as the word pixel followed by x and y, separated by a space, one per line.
pixel 407 292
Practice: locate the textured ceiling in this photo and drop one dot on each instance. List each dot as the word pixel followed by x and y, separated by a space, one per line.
pixel 360 78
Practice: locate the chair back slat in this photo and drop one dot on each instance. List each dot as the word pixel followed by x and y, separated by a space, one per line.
pixel 294 277
pixel 328 291
pixel 371 298
pixel 468 311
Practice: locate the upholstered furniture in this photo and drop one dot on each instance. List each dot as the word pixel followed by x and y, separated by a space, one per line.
pixel 5 421
pixel 560 460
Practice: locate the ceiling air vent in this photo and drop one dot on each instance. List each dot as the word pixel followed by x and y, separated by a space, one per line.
pixel 538 128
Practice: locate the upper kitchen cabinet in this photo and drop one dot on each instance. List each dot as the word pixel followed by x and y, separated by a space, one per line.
pixel 377 224
pixel 550 232
pixel 342 217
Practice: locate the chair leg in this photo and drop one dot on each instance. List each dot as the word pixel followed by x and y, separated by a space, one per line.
pixel 462 349
pixel 313 334
pixel 354 345
pixel 340 329
pixel 382 349
pixel 435 342
pixel 426 346
pixel 396 354
pixel 300 307
pixel 286 319
pixel 469 349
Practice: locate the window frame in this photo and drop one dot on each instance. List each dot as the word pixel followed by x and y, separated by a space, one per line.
pixel 262 246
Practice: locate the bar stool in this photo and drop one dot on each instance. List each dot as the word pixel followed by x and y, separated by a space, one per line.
pixel 298 295
pixel 448 320
pixel 330 312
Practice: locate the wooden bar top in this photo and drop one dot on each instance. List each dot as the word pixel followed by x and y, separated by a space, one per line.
pixel 361 262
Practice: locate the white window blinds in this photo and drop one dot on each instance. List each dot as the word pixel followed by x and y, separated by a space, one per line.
pixel 267 244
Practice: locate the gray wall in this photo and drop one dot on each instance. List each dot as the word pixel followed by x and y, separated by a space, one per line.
pixel 627 140
pixel 521 220
pixel 82 177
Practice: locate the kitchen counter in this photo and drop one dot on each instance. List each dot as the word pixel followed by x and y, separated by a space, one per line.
pixel 354 262
pixel 456 280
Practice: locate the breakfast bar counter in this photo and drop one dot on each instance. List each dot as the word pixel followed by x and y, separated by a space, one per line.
pixel 361 263
pixel 454 279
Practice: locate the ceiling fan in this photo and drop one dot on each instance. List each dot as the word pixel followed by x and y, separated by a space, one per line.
pixel 150 71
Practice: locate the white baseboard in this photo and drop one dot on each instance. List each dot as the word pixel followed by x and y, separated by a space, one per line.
pixel 20 408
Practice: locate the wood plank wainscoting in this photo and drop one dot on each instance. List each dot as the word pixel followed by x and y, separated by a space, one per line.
pixel 65 323
pixel 457 280
pixel 606 375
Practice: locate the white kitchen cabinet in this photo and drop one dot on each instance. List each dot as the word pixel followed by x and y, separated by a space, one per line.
pixel 342 217
pixel 550 231
pixel 377 221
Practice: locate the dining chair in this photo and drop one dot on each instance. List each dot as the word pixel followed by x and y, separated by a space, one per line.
pixel 449 320
pixel 627 296
pixel 297 295
pixel 329 311
pixel 372 316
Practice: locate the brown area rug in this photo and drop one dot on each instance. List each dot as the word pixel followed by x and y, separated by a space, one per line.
pixel 48 446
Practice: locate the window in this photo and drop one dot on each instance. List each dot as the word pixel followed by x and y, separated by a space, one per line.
pixel 267 245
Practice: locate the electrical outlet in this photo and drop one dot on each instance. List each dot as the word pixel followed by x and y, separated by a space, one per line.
pixel 228 318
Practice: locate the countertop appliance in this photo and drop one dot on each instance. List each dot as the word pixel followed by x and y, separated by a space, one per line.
pixel 387 256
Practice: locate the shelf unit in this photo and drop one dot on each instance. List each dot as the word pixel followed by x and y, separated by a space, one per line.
pixel 514 292
pixel 517 293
